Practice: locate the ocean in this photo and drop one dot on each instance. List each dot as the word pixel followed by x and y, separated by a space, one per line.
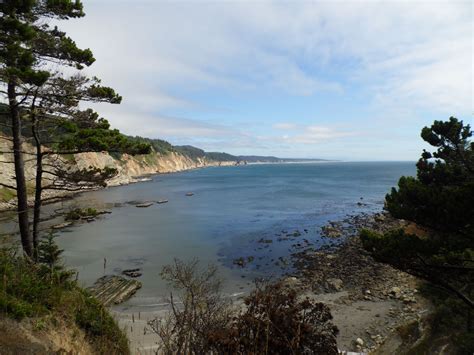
pixel 235 212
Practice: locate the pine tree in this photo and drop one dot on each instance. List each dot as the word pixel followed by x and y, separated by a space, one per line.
pixel 39 97
pixel 440 199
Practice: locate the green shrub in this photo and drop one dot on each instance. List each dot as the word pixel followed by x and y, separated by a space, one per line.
pixel 45 289
pixel 6 194
pixel 78 213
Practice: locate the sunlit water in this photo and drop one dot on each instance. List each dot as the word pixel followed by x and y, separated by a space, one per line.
pixel 231 210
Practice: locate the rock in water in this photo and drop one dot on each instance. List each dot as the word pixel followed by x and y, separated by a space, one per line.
pixel 112 289
pixel 132 272
pixel 62 225
pixel 145 204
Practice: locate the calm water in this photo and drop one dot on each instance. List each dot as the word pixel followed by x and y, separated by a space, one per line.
pixel 231 210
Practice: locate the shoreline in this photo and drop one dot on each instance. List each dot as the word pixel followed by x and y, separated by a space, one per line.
pixel 371 302
pixel 368 300
pixel 57 196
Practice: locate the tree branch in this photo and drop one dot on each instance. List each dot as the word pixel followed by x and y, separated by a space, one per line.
pixel 8 186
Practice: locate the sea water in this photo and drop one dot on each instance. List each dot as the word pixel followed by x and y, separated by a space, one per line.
pixel 235 212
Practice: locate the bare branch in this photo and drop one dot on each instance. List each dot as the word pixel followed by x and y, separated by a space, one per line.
pixel 8 186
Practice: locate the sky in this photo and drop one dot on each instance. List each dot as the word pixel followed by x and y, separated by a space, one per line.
pixel 350 80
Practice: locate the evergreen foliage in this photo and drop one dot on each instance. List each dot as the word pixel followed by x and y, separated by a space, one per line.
pixel 46 291
pixel 46 100
pixel 440 200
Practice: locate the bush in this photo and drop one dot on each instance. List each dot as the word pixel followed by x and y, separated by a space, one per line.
pixel 277 322
pixel 78 213
pixel 45 289
pixel 201 309
pixel 274 321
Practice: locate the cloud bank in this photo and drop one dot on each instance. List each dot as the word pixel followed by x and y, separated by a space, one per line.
pixel 240 73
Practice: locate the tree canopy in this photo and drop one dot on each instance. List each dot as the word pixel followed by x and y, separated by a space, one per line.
pixel 439 199
pixel 41 80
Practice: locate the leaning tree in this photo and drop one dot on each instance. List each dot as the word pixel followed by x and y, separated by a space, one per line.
pixel 45 100
pixel 59 128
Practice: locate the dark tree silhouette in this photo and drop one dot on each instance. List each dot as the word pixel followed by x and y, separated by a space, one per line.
pixel 441 199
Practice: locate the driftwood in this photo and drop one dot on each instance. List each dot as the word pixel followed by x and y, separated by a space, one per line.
pixel 112 289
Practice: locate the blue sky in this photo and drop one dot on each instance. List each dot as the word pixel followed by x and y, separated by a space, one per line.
pixel 350 80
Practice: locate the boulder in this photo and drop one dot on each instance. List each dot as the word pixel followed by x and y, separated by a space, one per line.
pixel 334 284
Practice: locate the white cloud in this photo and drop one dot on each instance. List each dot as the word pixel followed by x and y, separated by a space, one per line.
pixel 284 126
pixel 162 126
pixel 401 56
pixel 316 135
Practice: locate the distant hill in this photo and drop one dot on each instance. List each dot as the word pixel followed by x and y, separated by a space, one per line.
pixel 272 159
pixel 194 153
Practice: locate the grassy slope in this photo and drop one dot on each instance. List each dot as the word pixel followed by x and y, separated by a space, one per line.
pixel 35 291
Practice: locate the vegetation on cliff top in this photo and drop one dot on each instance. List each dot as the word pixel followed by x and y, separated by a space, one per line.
pixel 46 292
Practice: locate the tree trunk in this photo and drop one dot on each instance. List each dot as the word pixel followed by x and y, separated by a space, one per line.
pixel 38 185
pixel 21 190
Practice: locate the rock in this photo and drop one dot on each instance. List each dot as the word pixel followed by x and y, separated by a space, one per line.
pixel 331 232
pixel 112 289
pixel 144 205
pixel 240 262
pixel 335 284
pixel 291 282
pixel 367 292
pixel 132 272
pixel 380 218
pixel 190 194
pixel 62 225
pixel 359 342
pixel 395 292
pixel 408 300
pixel 162 201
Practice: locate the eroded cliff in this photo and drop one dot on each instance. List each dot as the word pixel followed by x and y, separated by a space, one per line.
pixel 129 168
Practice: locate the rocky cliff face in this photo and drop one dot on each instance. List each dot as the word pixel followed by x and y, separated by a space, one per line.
pixel 129 168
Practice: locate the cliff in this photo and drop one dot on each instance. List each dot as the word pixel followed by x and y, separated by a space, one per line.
pixel 129 168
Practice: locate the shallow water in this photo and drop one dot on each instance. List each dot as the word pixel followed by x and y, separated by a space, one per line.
pixel 231 210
